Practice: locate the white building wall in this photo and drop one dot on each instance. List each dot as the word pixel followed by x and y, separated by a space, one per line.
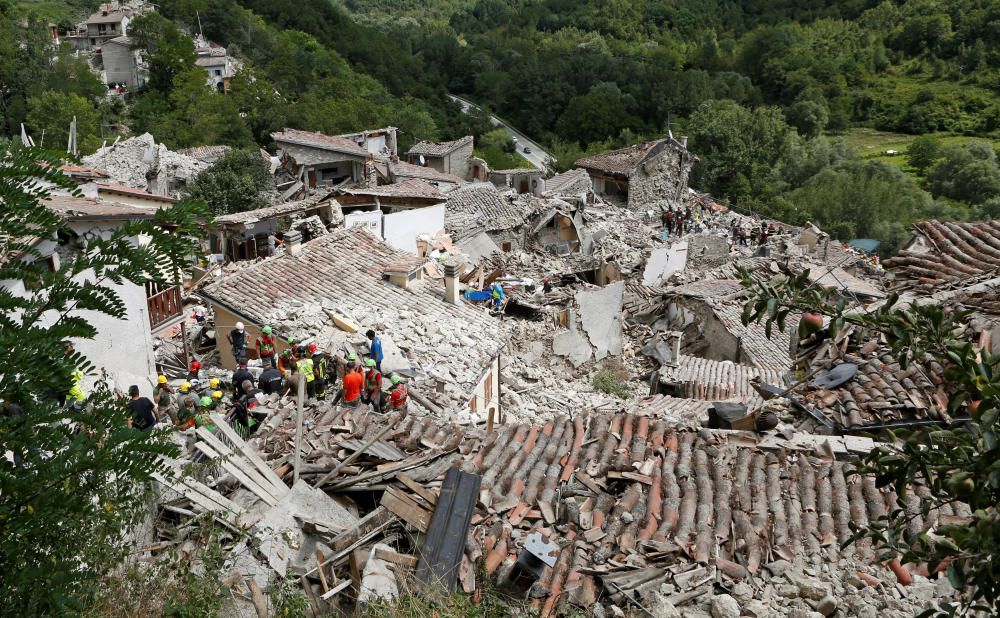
pixel 401 229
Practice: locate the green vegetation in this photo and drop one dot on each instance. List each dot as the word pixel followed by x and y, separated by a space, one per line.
pixel 612 380
pixel 957 463
pixel 78 478
pixel 233 183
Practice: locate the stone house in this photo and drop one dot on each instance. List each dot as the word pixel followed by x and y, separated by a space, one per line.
pixel 219 66
pixel 642 174
pixel 243 235
pixel 122 63
pixel 481 207
pixel 105 25
pixel 318 159
pixel 453 157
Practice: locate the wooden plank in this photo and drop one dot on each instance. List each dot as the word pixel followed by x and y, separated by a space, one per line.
pixel 319 568
pixel 332 592
pixel 248 451
pixel 238 474
pixel 366 524
pixel 588 482
pixel 417 488
pixel 403 560
pixel 406 509
pixel 442 554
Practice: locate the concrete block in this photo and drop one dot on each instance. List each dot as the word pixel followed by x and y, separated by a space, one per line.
pixel 601 316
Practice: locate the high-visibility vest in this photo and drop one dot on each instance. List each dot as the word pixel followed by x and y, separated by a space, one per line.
pixel 267 346
pixel 306 369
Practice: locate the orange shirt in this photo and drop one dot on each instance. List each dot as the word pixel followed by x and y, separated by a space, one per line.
pixel 353 383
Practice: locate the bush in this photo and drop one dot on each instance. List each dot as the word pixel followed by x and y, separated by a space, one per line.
pixel 612 382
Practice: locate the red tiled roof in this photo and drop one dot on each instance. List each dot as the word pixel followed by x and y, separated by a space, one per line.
pixel 711 380
pixel 411 187
pixel 956 251
pixel 319 140
pixel 403 169
pixel 625 160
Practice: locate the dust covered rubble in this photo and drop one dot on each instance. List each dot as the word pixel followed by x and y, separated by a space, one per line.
pixel 142 163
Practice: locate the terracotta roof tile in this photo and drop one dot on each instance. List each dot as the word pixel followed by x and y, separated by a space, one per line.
pixel 711 380
pixel 269 212
pixel 956 251
pixel 70 207
pixel 403 169
pixel 483 203
pixel 411 187
pixel 763 352
pixel 569 183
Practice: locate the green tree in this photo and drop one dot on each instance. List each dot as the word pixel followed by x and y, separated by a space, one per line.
pixel 741 151
pixel 598 115
pixel 233 183
pixel 170 51
pixel 808 116
pixel 968 173
pixel 50 114
pixel 957 463
pixel 923 152
pixel 76 482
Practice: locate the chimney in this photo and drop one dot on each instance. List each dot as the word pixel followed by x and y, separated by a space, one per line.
pixel 451 283
pixel 674 337
pixel 684 141
pixel 293 242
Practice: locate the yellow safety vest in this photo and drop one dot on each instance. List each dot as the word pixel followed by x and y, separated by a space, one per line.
pixel 306 368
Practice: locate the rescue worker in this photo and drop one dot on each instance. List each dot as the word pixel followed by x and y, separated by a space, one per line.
pixel 216 400
pixel 187 412
pixel 184 394
pixel 193 370
pixel 285 362
pixel 351 387
pixel 265 348
pixel 399 398
pixel 239 376
pixel 210 387
pixel 319 361
pixel 204 416
pixel 76 396
pixel 306 368
pixel 270 381
pixel 163 397
pixel 238 340
pixel 497 291
pixel 243 409
pixel 375 348
pixel 373 385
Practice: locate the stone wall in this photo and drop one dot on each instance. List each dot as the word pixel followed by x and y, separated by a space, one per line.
pixel 663 177
pixel 457 163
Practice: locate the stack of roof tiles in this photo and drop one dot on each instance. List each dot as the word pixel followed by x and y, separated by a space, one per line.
pixel 438 149
pixel 629 488
pixel 320 141
pixel 763 351
pixel 957 251
pixel 484 208
pixel 701 378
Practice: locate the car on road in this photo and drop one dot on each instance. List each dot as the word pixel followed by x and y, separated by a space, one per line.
pixel 527 150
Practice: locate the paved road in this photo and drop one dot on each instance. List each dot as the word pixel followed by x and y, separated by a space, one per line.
pixel 538 157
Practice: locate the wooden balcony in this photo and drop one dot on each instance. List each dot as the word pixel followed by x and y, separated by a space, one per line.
pixel 164 305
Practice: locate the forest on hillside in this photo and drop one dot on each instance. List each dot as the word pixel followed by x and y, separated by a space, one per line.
pixel 771 93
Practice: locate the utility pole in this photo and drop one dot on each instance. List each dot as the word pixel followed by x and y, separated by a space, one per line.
pixel 298 427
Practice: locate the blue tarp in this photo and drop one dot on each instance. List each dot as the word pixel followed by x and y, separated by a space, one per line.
pixel 868 245
pixel 478 296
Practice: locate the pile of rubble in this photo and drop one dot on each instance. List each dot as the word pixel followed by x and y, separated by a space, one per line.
pixel 606 512
pixel 142 163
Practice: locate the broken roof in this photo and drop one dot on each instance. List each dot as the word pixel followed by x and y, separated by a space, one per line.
pixel 626 160
pixel 87 209
pixel 403 169
pixel 573 182
pixel 881 392
pixel 705 379
pixel 269 212
pixel 107 187
pixel 483 204
pixel 764 352
pixel 517 170
pixel 948 252
pixel 320 141
pixel 345 269
pixel 411 187
pixel 438 149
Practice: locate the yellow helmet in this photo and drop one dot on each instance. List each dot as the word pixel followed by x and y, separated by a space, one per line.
pixel 185 387
pixel 214 383
pixel 161 380
pixel 217 395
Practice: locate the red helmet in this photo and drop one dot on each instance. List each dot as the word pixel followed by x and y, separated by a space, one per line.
pixel 195 365
pixel 312 348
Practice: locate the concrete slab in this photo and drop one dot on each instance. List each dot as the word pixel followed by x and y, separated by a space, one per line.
pixel 377 581
pixel 601 316
pixel 572 345
pixel 394 359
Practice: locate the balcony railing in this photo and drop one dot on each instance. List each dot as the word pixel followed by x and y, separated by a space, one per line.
pixel 164 306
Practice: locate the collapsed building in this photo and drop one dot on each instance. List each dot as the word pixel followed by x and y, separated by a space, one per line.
pixel 642 174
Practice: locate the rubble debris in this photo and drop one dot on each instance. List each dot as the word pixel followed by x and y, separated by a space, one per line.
pixel 141 162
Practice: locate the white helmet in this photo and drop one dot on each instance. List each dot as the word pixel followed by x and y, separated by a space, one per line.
pixel 239 326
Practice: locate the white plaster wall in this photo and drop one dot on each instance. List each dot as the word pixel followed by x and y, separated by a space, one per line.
pixel 402 228
pixel 369 219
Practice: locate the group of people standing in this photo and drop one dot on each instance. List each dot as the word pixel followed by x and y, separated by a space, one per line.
pixel 680 222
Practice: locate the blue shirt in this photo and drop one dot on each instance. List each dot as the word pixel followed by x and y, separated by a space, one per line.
pixel 376 348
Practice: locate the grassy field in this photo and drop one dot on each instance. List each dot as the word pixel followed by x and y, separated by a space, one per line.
pixel 873 144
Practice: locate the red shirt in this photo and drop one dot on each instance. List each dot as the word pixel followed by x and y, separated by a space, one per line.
pixel 353 383
pixel 397 398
